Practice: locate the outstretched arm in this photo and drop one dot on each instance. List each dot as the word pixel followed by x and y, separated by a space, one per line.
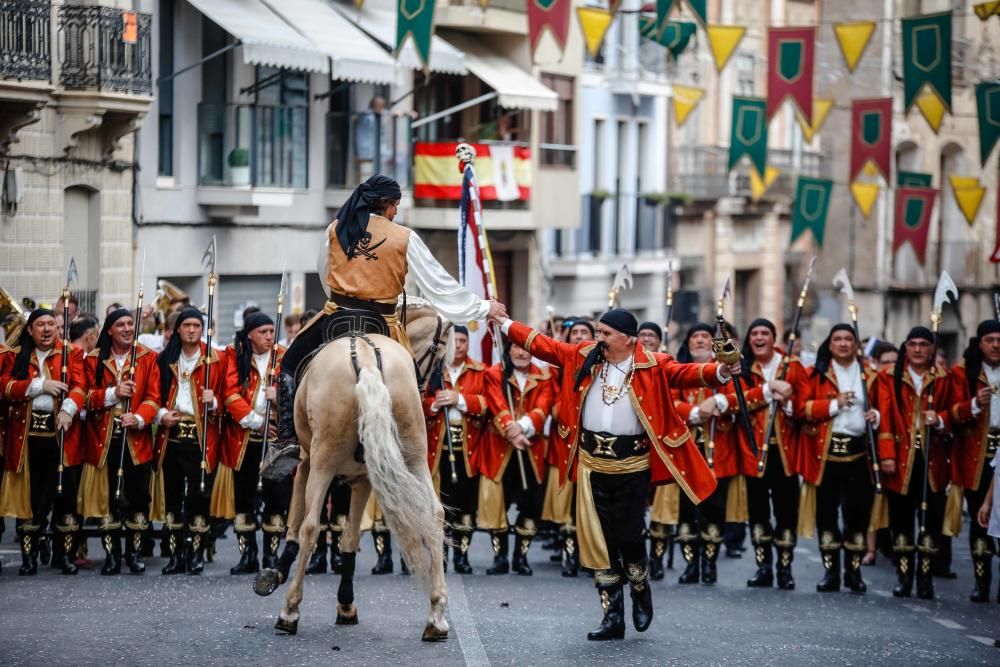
pixel 452 300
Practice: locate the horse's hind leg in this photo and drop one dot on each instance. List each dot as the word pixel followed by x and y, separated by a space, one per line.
pixel 316 485
pixel 267 581
pixel 347 613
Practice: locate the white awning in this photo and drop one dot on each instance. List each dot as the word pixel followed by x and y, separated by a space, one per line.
pixel 267 39
pixel 354 55
pixel 515 87
pixel 380 23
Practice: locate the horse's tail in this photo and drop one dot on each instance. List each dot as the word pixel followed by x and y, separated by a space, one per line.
pixel 408 503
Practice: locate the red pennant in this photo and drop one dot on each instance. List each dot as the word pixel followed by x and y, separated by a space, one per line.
pixel 995 257
pixel 913 217
pixel 551 14
pixel 871 135
pixel 790 53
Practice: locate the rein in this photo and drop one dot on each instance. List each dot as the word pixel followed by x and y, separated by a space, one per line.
pixel 425 364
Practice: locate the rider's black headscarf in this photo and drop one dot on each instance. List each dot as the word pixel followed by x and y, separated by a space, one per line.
pixel 352 219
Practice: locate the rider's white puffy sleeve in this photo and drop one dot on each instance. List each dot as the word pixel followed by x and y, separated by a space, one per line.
pixel 437 286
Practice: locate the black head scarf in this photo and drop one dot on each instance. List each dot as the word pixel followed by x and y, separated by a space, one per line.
pixel 654 327
pixel 748 358
pixel 172 352
pixel 824 355
pixel 352 218
pixel 581 322
pixel 974 356
pixel 104 340
pixel 684 352
pixel 621 320
pixel 23 359
pixel 916 333
pixel 243 347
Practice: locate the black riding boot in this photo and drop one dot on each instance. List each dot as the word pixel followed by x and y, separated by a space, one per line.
pixel 689 551
pixel 272 527
pixel 199 541
pixel 642 596
pixel 609 586
pixel 383 548
pixel 710 546
pixel 903 556
pixel 854 553
pixel 786 553
pixel 462 535
pixel 519 563
pixel 247 540
pixel 981 568
pixel 176 546
pixel 764 576
pixel 570 552
pixel 500 563
pixel 112 543
pixel 66 537
pixel 27 535
pixel 283 454
pixel 317 561
pixel 830 583
pixel 925 570
pixel 657 548
pixel 135 531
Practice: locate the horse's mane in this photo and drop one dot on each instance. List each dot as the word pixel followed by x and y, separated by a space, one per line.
pixel 415 303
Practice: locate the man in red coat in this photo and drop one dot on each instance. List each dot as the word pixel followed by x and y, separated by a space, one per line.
pixel 40 405
pixel 834 454
pixel 455 408
pixel 906 419
pixel 624 434
pixel 182 447
pixel 109 424
pixel 512 461
pixel 975 416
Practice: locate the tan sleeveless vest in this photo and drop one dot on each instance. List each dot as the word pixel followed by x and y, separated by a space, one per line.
pixel 378 270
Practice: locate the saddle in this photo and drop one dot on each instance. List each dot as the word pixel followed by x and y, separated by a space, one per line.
pixel 339 324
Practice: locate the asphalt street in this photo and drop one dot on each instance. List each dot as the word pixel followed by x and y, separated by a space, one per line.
pixel 215 619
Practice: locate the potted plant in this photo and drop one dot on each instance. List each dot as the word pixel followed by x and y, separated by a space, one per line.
pixel 600 194
pixel 239 166
pixel 656 198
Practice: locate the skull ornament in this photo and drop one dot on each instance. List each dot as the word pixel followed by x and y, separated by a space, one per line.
pixel 465 153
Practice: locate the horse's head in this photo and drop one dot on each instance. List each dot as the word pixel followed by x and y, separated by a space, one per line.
pixel 432 337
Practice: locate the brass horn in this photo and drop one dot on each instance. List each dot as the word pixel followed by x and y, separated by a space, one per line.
pixel 13 317
pixel 167 294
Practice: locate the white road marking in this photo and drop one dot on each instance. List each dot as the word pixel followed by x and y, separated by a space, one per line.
pixel 802 550
pixel 465 626
pixel 885 594
pixel 986 641
pixel 913 607
pixel 815 559
pixel 951 625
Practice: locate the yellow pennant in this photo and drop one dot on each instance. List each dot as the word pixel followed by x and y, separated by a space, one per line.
pixel 594 22
pixel 686 98
pixel 724 39
pixel 821 109
pixel 969 193
pixel 853 38
pixel 932 108
pixel 758 185
pixel 984 10
pixel 865 195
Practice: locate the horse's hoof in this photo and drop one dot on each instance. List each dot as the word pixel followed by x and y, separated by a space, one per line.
pixel 266 582
pixel 347 615
pixel 433 634
pixel 287 627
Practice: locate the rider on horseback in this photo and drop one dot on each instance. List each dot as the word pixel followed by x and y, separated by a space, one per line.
pixel 366 260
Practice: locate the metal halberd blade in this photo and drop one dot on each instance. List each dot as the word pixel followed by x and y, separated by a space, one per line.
pixel 946 292
pixel 842 282
pixel 208 259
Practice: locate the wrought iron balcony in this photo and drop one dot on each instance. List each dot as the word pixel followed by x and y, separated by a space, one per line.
pixel 24 40
pixel 106 49
pixel 702 172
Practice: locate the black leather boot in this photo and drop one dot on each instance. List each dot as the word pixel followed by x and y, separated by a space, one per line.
pixel 786 554
pixel 763 554
pixel 247 540
pixel 830 583
pixel 904 573
pixel 689 551
pixel 199 541
pixel 112 544
pixel 613 603
pixel 383 547
pixel 176 547
pixel 27 538
pixel 519 563
pixel 500 563
pixel 710 547
pixel 283 454
pixel 642 596
pixel 317 561
pixel 657 548
pixel 135 531
pixel 462 536
pixel 925 576
pixel 981 569
pixel 571 552
pixel 66 540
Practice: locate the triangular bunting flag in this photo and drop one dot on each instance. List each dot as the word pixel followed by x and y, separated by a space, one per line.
pixel 758 185
pixel 865 195
pixel 821 109
pixel 685 99
pixel 676 35
pixel 594 22
pixel 548 14
pixel 790 55
pixel 988 109
pixel 700 9
pixel 812 203
pixel 984 10
pixel 969 193
pixel 913 214
pixel 415 18
pixel 932 109
pixel 871 135
pixel 723 39
pixel 748 135
pixel 853 38
pixel 927 57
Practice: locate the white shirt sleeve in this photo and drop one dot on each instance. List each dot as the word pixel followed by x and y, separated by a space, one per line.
pixel 252 421
pixel 527 426
pixel 719 376
pixel 722 402
pixel 69 407
pixel 160 413
pixel 461 405
pixel 695 415
pixel 976 410
pixel 834 408
pixel 35 387
pixel 878 419
pixel 109 397
pixel 142 424
pixel 437 286
pixel 505 327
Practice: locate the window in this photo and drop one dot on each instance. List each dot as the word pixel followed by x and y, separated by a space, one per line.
pixel 557 142
pixel 165 96
pixel 745 73
pixel 282 128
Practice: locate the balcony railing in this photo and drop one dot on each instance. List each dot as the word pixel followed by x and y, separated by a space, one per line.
pixel 702 172
pixel 361 144
pixel 244 145
pixel 965 261
pixel 507 5
pixel 24 40
pixel 106 49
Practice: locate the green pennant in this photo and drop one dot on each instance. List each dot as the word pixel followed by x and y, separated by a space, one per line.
pixel 416 19
pixel 700 9
pixel 913 179
pixel 988 106
pixel 676 35
pixel 927 57
pixel 663 8
pixel 812 202
pixel 648 26
pixel 749 132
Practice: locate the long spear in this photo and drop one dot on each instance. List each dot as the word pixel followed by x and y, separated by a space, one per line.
pixel 670 299
pixel 726 352
pixel 64 372
pixel 208 260
pixel 272 364
pixel 783 370
pixel 119 481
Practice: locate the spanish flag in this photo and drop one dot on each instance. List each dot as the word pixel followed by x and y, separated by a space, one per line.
pixel 502 172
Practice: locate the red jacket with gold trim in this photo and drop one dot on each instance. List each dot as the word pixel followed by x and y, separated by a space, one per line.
pixel 238 401
pixel 724 460
pixel 217 385
pixel 15 392
pixel 674 456
pixel 901 422
pixel 812 407
pixel 145 402
pixel 968 456
pixel 535 402
pixel 472 386
pixel 785 427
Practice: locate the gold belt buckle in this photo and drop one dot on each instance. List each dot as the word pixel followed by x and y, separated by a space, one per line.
pixel 187 430
pixel 839 446
pixel 456 433
pixel 604 446
pixel 41 422
pixel 992 443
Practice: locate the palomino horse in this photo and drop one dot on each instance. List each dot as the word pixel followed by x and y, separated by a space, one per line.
pixel 343 400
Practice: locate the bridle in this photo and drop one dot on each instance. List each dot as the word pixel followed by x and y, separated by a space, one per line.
pixel 425 364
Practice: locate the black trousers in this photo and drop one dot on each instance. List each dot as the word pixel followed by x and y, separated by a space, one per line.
pixel 528 500
pixel 974 500
pixel 620 501
pixel 182 462
pixel 710 512
pixel 276 496
pixel 846 493
pixel 43 467
pixel 135 481
pixel 461 496
pixel 904 508
pixel 774 494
